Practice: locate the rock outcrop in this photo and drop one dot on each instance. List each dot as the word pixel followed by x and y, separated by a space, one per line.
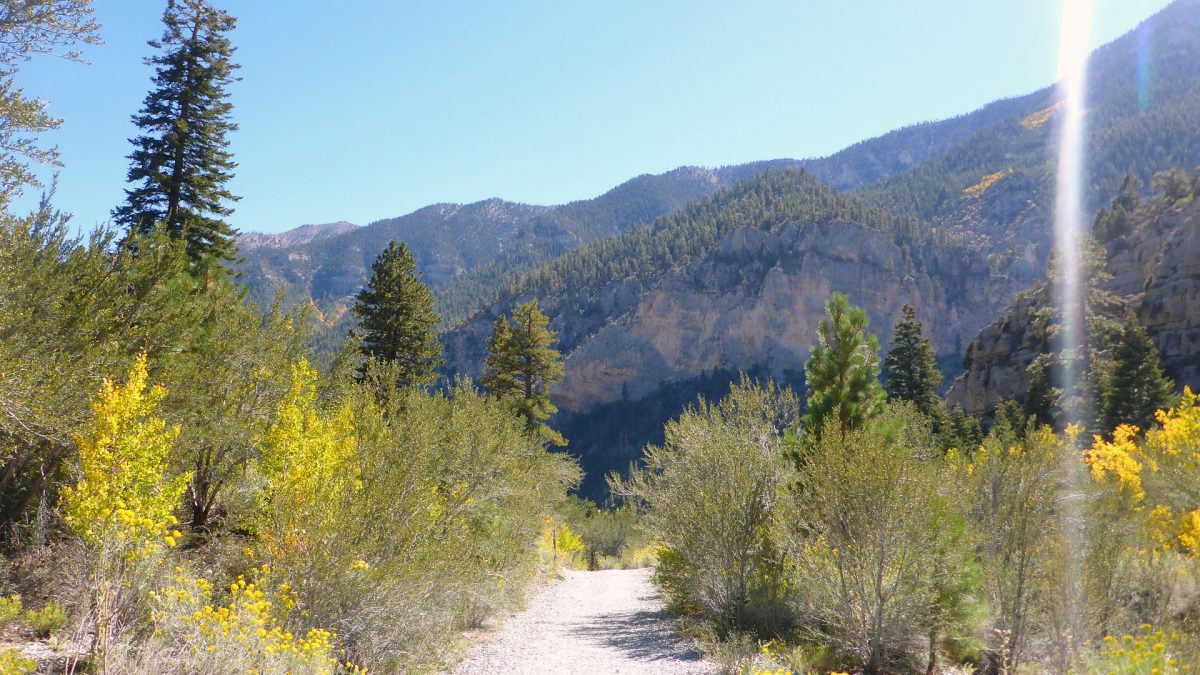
pixel 1155 272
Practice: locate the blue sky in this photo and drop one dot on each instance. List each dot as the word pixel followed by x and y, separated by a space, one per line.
pixel 357 110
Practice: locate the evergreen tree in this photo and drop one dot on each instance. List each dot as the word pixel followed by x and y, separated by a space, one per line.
pixel 522 364
pixel 397 318
pixel 1136 386
pixel 912 372
pixel 1042 398
pixel 181 162
pixel 1117 220
pixel 500 366
pixel 842 375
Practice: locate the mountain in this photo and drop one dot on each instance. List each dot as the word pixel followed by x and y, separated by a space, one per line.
pixel 329 263
pixel 294 237
pixel 736 281
pixel 732 270
pixel 1155 273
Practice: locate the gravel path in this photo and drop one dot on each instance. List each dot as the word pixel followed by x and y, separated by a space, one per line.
pixel 589 623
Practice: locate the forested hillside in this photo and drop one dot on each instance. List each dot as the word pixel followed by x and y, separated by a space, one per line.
pixel 1146 262
pixel 985 190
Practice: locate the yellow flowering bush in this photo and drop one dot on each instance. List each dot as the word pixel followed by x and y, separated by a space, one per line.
pixel 13 662
pixel 308 461
pixel 1148 652
pixel 247 632
pixel 122 498
pixel 1159 474
pixel 558 540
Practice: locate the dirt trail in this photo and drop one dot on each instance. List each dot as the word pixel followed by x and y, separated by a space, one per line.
pixel 590 623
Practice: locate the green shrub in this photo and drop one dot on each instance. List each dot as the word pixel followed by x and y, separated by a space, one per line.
pixel 430 523
pixel 13 662
pixel 880 549
pixel 10 609
pixel 711 493
pixel 47 619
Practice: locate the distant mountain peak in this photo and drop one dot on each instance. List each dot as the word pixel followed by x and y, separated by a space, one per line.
pixel 297 236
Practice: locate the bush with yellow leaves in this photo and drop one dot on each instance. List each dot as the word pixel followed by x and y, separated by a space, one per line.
pixel 1147 652
pixel 123 501
pixel 1159 474
pixel 123 504
pixel 245 631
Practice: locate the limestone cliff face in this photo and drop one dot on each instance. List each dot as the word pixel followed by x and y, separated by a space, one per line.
pixel 756 300
pixel 1155 272
pixel 1170 305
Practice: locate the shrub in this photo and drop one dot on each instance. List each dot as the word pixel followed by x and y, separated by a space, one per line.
pixel 1147 652
pixel 247 631
pixel 401 519
pixel 711 493
pixel 13 662
pixel 1014 482
pixel 10 609
pixel 879 556
pixel 122 505
pixel 46 620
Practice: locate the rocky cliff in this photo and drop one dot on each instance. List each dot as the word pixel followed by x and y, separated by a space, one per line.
pixel 1155 272
pixel 754 304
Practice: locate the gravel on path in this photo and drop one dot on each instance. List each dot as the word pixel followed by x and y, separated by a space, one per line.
pixel 589 623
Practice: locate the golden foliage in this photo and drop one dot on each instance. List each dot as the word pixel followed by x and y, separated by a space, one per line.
pixel 308 457
pixel 122 497
pixel 1160 473
pixel 985 183
pixel 247 631
pixel 1039 118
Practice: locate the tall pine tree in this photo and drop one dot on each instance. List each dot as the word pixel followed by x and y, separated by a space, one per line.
pixel 181 161
pixel 842 375
pixel 1135 384
pixel 912 372
pixel 521 366
pixel 397 318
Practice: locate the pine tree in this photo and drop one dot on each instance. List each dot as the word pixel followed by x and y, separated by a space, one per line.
pixel 1042 399
pixel 181 162
pixel 1117 220
pixel 842 375
pixel 500 366
pixel 398 321
pixel 522 364
pixel 912 372
pixel 1136 386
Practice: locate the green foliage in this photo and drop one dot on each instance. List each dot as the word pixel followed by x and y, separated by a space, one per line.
pixel 13 662
pixel 911 369
pixel 30 28
pixel 74 310
pixel 46 620
pixel 1013 484
pixel 1134 386
pixel 234 368
pixel 397 319
pixel 522 365
pixel 879 548
pixel 711 492
pixel 610 537
pixel 181 162
pixel 842 375
pixel 1117 220
pixel 436 541
pixel 10 609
